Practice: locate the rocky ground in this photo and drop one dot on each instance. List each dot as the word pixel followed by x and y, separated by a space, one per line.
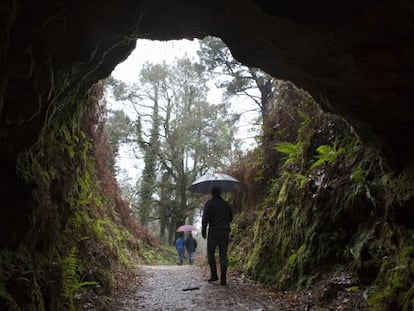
pixel 185 288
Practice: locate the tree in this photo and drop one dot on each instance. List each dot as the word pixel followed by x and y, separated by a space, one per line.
pixel 198 135
pixel 118 126
pixel 148 181
pixel 180 136
pixel 234 77
pixel 152 79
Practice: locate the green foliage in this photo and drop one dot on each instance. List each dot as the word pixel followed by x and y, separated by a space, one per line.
pixel 293 152
pixel 327 155
pixel 120 128
pixel 329 204
pixel 7 267
pixel 354 289
pixel 149 173
pixel 71 282
pixel 163 255
pixel 73 227
pixel 22 280
pixel 399 289
pixel 301 180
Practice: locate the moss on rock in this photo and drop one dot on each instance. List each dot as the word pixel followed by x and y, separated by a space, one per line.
pixel 75 239
pixel 330 204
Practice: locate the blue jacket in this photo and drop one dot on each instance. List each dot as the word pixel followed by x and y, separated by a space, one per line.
pixel 180 244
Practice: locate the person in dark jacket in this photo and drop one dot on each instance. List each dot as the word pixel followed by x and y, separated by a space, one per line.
pixel 191 246
pixel 217 215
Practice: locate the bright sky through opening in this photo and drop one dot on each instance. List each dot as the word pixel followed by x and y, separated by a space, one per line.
pixel 157 52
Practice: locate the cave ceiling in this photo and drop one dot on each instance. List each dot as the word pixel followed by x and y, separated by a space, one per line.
pixel 354 57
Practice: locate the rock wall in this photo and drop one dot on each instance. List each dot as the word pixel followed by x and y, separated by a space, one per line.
pixel 323 203
pixel 355 58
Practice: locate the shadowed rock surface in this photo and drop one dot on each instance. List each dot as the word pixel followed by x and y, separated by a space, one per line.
pixel 355 58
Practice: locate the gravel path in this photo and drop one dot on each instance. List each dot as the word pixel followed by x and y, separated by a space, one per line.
pixel 185 288
pixel 173 288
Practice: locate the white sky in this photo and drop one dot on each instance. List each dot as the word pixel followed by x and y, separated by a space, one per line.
pixel 156 52
pixel 153 52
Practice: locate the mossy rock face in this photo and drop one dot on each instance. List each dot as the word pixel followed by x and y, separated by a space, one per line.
pixel 72 239
pixel 336 207
pixel 396 287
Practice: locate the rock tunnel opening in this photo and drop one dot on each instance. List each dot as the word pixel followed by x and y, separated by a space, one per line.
pixel 355 60
pixel 357 68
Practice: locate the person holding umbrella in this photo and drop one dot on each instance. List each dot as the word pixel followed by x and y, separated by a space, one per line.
pixel 217 215
pixel 180 243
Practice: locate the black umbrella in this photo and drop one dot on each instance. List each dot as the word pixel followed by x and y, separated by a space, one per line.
pixel 205 183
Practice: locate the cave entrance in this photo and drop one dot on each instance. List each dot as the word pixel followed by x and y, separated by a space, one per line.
pixel 178 76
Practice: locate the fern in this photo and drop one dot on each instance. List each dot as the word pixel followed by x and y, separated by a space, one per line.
pixel 4 294
pixel 327 154
pixel 70 277
pixel 293 151
pixel 71 281
pixel 301 180
pixel 408 299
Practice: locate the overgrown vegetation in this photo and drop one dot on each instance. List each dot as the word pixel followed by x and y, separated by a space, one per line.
pixel 163 255
pixel 81 232
pixel 323 203
pixel 315 201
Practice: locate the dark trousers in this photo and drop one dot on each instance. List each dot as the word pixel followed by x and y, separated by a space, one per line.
pixel 218 237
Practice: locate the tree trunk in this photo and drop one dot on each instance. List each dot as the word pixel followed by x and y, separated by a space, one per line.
pixel 171 233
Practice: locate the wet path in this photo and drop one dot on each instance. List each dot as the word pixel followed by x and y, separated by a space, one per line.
pixel 173 288
pixel 185 288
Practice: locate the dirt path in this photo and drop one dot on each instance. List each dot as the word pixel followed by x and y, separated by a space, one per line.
pixel 185 288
